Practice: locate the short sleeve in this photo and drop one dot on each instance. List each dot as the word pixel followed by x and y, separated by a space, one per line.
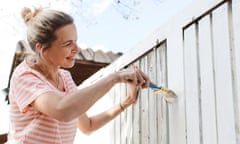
pixel 70 85
pixel 26 88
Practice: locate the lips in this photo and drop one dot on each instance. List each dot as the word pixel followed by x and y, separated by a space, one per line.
pixel 70 58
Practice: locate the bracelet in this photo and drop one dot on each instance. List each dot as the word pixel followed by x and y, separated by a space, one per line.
pixel 122 108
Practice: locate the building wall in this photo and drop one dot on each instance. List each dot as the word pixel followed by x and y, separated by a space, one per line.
pixel 197 55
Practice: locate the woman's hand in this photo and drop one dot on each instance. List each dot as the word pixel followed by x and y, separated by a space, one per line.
pixel 132 92
pixel 134 76
pixel 135 80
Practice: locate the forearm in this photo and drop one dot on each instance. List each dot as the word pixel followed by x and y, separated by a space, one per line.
pixel 80 101
pixel 88 125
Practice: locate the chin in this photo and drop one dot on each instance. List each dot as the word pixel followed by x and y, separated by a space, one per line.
pixel 69 66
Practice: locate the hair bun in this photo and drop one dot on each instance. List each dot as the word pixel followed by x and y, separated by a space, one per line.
pixel 28 14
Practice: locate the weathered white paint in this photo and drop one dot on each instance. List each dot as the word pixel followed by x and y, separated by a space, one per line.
pixel 197 54
pixel 177 122
pixel 191 86
pixel 152 98
pixel 144 109
pixel 136 125
pixel 161 79
pixel 223 77
pixel 236 63
pixel 208 97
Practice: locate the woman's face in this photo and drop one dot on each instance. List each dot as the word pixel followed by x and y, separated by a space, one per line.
pixel 63 50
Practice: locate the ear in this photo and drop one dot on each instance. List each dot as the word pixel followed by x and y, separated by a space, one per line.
pixel 38 47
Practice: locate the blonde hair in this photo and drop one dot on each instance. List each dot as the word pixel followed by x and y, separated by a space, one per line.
pixel 42 24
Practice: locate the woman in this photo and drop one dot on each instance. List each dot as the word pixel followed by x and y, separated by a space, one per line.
pixel 45 104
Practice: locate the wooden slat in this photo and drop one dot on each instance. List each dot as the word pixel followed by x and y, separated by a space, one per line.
pixel 209 121
pixel 122 92
pixel 236 63
pixel 152 98
pixel 137 133
pixel 112 129
pixel 191 85
pixel 223 77
pixel 118 119
pixel 161 74
pixel 126 119
pixel 144 106
pixel 177 122
pixel 129 125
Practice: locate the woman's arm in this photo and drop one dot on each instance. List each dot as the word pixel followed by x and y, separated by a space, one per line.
pixel 89 124
pixel 70 107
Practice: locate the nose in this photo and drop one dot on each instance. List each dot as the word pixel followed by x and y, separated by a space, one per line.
pixel 75 48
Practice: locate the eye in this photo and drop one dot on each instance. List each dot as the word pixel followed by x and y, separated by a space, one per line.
pixel 67 44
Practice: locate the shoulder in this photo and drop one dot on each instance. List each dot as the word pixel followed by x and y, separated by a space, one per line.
pixel 21 70
pixel 68 80
pixel 24 69
pixel 65 73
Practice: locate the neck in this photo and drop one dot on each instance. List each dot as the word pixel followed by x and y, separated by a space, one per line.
pixel 50 73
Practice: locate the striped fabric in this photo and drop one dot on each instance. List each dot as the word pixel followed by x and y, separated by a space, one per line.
pixel 29 126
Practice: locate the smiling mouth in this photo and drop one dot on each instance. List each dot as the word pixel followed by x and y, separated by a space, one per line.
pixel 70 58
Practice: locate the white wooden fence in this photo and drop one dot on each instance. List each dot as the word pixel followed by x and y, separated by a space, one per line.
pixel 197 54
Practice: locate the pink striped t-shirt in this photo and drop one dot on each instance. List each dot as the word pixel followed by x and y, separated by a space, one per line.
pixel 28 125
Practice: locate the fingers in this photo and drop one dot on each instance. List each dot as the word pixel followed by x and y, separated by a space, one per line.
pixel 129 76
pixel 140 79
pixel 132 92
pixel 143 78
pixel 135 79
pixel 135 76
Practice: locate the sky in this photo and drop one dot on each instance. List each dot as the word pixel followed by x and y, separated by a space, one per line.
pixel 102 25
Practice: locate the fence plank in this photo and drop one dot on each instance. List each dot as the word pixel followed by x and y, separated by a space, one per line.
pixel 207 82
pixel 161 70
pixel 144 107
pixel 177 122
pixel 236 62
pixel 223 76
pixel 137 133
pixel 129 125
pixel 112 129
pixel 118 119
pixel 191 85
pixel 123 115
pixel 152 98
